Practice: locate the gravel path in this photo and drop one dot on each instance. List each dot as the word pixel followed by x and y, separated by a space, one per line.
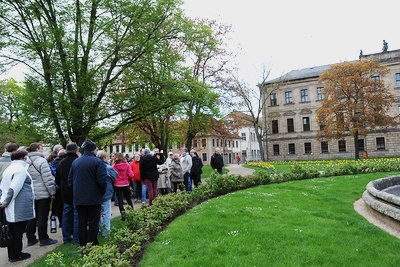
pixel 239 170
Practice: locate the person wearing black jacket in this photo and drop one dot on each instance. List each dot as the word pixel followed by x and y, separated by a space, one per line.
pixel 149 172
pixel 217 162
pixel 195 172
pixel 88 177
pixel 69 223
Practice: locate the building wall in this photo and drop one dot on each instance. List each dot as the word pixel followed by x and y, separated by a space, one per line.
pixel 299 110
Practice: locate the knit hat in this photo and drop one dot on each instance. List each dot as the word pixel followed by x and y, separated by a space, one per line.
pixel 72 148
pixel 89 145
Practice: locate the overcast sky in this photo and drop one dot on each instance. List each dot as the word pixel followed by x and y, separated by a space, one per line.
pixel 293 34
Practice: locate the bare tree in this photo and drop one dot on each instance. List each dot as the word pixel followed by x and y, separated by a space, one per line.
pixel 252 100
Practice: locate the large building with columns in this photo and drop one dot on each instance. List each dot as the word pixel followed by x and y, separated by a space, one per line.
pixel 290 116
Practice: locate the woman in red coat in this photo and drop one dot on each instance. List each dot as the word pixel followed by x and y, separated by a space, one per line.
pixel 136 182
pixel 122 182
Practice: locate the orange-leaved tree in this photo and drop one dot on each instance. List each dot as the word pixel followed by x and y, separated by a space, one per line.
pixel 356 101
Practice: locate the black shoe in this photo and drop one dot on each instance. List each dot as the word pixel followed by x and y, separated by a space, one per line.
pixel 48 242
pixel 21 257
pixel 33 242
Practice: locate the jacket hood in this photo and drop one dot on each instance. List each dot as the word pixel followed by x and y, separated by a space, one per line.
pixel 32 156
pixel 121 166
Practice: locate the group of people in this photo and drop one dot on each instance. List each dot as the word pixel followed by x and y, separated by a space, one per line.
pixel 78 185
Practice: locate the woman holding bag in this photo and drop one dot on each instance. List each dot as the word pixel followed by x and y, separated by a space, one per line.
pixel 16 196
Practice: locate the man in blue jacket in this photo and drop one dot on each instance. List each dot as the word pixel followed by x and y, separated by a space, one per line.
pixel 88 178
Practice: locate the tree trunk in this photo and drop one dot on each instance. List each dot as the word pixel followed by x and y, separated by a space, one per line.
pixel 356 152
pixel 259 140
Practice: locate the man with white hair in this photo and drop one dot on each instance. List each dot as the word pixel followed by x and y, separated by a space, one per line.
pixel 186 164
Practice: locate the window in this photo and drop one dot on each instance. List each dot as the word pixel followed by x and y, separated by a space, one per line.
pixel 194 143
pixel 306 124
pixel 275 149
pixel 290 126
pixel 375 77
pixel 244 136
pixel 213 142
pixel 275 128
pixel 117 148
pixel 237 143
pixel 324 147
pixel 273 99
pixel 292 149
pixel 397 79
pixel 320 93
pixel 217 142
pixel 204 156
pixel 304 95
pixel 307 148
pixel 203 142
pixel 360 144
pixel 380 143
pixel 288 97
pixel 342 145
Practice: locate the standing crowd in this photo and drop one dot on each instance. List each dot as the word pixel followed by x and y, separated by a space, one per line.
pixel 77 185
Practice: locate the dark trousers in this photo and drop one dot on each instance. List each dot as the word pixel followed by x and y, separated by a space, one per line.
pixel 17 229
pixel 196 179
pixel 175 186
pixel 88 221
pixel 122 191
pixel 57 206
pixel 219 170
pixel 151 189
pixel 137 188
pixel 42 208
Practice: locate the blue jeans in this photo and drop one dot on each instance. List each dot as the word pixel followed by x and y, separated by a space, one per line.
pixel 105 217
pixel 144 192
pixel 69 223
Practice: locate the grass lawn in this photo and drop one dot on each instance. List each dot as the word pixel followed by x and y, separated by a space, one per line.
pixel 301 223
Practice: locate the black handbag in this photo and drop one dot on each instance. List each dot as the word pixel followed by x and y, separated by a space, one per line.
pixel 6 237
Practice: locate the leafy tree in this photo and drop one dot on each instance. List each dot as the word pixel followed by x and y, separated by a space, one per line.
pixel 207 59
pixel 356 101
pixel 79 53
pixel 15 126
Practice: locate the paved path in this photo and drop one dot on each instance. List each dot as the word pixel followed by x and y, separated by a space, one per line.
pixel 239 170
pixel 36 251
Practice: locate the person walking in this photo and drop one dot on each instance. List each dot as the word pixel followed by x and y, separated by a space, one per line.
pixel 149 172
pixel 196 170
pixel 217 162
pixel 17 198
pixel 122 182
pixel 5 159
pixel 176 173
pixel 88 177
pixel 186 164
pixel 238 159
pixel 69 223
pixel 44 188
pixel 105 219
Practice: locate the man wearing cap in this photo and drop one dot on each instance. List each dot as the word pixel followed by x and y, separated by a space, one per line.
pixel 69 224
pixel 88 178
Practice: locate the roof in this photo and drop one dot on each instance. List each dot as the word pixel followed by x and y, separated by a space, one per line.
pixel 301 74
